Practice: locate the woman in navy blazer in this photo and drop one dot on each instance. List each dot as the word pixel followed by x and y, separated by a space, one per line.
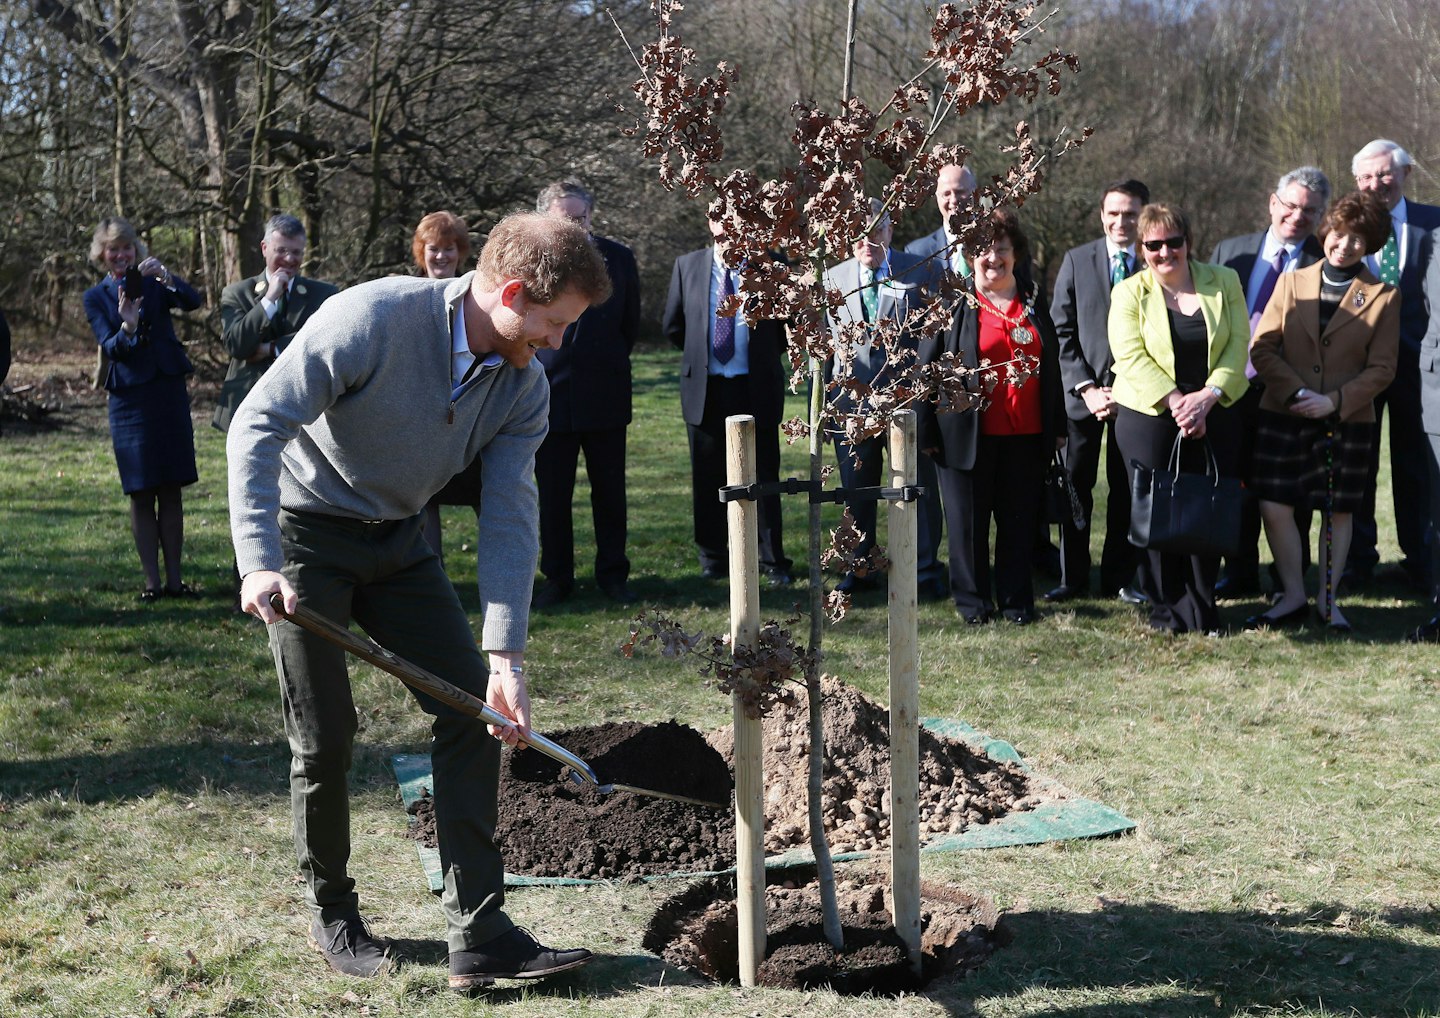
pixel 149 405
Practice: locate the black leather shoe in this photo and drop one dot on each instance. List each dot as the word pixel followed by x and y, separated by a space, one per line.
pixel 1131 595
pixel 974 618
pixel 1237 586
pixel 549 594
pixel 1429 632
pixel 778 577
pixel 939 590
pixel 1057 595
pixel 512 955
pixel 348 946
pixel 714 572
pixel 1289 620
pixel 619 592
pixel 1018 616
pixel 852 584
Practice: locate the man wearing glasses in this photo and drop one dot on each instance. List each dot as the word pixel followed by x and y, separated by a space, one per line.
pixel 1383 167
pixel 1296 206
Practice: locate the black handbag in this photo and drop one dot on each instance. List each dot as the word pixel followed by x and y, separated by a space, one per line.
pixel 1062 504
pixel 1185 513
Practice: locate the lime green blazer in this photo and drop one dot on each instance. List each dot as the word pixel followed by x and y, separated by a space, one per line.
pixel 1144 353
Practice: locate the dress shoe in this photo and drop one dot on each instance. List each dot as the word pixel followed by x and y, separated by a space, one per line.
pixel 549 594
pixel 1429 632
pixel 1354 579
pixel 852 584
pixel 937 590
pixel 713 571
pixel 1018 616
pixel 1062 593
pixel 514 954
pixel 1131 595
pixel 974 618
pixel 1237 586
pixel 1289 620
pixel 618 592
pixel 778 577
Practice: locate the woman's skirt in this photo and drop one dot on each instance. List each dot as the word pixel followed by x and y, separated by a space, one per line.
pixel 152 434
pixel 1298 460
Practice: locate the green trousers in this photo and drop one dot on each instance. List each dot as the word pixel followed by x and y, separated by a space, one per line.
pixel 384 577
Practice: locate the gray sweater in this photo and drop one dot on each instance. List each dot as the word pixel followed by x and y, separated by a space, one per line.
pixel 355 419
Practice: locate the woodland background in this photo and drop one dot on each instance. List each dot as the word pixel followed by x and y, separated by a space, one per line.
pixel 198 118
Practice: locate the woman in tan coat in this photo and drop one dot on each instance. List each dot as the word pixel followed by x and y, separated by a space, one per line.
pixel 1324 348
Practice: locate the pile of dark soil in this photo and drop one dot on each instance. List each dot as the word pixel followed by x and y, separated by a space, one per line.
pixel 697 929
pixel 553 827
pixel 959 786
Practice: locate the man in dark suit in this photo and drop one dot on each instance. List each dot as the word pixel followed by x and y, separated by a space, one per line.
pixel 729 367
pixel 1430 414
pixel 882 284
pixel 953 185
pixel 259 315
pixel 589 410
pixel 1081 310
pixel 1259 259
pixel 1383 167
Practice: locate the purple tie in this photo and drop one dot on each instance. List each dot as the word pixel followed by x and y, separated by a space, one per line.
pixel 722 334
pixel 1267 287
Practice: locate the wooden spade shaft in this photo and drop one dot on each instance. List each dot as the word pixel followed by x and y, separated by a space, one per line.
pixel 448 693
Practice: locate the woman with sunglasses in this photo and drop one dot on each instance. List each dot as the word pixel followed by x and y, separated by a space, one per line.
pixel 991 461
pixel 1180 337
pixel 1325 347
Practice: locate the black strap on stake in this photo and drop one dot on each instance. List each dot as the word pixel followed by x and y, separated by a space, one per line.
pixel 795 486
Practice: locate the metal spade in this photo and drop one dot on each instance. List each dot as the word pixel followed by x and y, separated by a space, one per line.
pixel 430 684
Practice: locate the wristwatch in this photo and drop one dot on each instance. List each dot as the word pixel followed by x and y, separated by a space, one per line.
pixel 1219 392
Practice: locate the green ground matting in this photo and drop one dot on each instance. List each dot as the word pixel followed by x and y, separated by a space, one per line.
pixel 1064 818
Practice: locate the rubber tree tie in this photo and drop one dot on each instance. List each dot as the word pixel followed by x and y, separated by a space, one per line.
pixel 796 486
pixel 753 492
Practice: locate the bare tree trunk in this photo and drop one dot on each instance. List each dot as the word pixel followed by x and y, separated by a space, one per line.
pixel 824 865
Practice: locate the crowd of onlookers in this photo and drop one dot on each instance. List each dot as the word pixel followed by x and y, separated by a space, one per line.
pixel 351 416
pixel 1274 361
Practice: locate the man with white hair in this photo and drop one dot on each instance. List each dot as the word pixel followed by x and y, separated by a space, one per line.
pixel 1260 259
pixel 881 284
pixel 1383 168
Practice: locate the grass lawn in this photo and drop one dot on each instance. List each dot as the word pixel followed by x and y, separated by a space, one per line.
pixel 1285 786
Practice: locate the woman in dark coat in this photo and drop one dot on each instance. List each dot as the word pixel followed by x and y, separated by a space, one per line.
pixel 991 460
pixel 1325 347
pixel 149 405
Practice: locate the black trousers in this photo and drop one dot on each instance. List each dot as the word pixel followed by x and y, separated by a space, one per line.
pixel 556 464
pixel 1006 485
pixel 1181 588
pixel 1118 557
pixel 727 397
pixel 860 467
pixel 1409 478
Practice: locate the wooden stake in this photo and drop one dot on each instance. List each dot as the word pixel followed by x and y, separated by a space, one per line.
pixel 904 693
pixel 749 741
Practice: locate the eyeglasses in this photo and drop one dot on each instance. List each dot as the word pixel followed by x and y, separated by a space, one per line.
pixel 1173 243
pixel 1309 210
pixel 1382 178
